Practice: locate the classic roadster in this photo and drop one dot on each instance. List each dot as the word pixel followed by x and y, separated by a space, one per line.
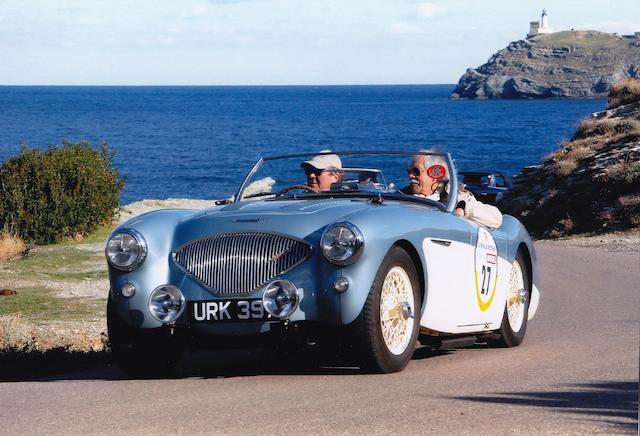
pixel 378 268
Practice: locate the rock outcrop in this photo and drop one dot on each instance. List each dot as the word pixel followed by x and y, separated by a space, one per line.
pixel 580 64
pixel 592 183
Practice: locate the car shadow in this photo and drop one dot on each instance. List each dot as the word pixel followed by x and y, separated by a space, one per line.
pixel 61 364
pixel 610 402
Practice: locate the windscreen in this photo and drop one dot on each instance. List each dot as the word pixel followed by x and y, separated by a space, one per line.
pixel 417 175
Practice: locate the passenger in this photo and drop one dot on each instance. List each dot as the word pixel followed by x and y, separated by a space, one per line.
pixel 421 184
pixel 322 170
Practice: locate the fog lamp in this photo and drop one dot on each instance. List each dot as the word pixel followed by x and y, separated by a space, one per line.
pixel 166 303
pixel 280 298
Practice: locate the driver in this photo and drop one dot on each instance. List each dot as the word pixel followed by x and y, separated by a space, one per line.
pixel 322 170
pixel 422 184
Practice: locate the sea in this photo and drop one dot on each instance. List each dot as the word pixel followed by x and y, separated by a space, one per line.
pixel 199 142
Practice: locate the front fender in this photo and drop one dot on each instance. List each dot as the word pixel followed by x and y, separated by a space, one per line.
pixel 157 228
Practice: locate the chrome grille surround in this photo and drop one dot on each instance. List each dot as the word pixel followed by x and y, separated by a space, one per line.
pixel 241 262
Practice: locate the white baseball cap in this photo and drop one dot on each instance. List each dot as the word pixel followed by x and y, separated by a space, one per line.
pixel 324 161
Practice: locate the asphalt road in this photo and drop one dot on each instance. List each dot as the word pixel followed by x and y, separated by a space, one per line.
pixel 575 373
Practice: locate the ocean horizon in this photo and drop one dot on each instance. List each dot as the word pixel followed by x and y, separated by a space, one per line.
pixel 198 142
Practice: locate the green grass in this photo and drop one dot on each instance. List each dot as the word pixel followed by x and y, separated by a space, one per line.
pixel 64 262
pixel 73 262
pixel 589 39
pixel 39 304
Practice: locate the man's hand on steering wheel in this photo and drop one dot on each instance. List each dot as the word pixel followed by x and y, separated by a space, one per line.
pixel 303 187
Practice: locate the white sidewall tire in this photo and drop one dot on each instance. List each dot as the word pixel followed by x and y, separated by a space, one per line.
pixel 375 354
pixel 507 335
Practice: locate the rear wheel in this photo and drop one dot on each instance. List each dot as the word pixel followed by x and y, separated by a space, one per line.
pixel 514 319
pixel 387 328
pixel 141 353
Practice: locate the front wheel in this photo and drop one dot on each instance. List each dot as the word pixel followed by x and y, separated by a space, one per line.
pixel 138 352
pixel 514 319
pixel 387 329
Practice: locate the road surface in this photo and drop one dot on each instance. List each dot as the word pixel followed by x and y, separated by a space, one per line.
pixel 575 373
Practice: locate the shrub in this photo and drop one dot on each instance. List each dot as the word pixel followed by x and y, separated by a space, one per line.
pixel 564 167
pixel 624 173
pixel 46 195
pixel 624 92
pixel 606 129
pixel 11 246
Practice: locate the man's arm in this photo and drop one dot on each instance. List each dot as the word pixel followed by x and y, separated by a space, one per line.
pixel 473 209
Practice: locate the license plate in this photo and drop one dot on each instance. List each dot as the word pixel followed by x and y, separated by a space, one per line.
pixel 228 311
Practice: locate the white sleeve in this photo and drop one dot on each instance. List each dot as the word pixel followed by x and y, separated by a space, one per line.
pixel 485 214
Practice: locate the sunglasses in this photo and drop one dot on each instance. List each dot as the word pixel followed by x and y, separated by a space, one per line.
pixel 311 170
pixel 414 171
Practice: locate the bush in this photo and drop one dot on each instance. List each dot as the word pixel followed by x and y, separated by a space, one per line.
pixel 11 246
pixel 66 191
pixel 624 92
pixel 607 128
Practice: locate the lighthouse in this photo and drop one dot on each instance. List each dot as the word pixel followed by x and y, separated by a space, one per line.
pixel 542 26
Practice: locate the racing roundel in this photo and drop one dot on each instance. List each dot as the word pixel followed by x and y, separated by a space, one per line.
pixel 486 269
pixel 436 172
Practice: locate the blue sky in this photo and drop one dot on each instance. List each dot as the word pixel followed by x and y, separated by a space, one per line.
pixel 255 42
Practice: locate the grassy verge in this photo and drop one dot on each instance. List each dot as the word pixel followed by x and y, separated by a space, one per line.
pixel 61 282
pixel 55 321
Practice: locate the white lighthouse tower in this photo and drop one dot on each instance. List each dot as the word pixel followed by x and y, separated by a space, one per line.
pixel 542 26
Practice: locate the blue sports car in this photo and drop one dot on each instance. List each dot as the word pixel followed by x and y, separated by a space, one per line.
pixel 325 248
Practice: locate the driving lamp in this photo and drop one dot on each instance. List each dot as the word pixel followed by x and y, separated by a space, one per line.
pixel 166 303
pixel 342 243
pixel 280 298
pixel 126 250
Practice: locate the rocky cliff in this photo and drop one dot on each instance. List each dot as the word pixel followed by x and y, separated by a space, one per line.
pixel 582 64
pixel 592 183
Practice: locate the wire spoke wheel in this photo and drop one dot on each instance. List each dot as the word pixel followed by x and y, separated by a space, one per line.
pixel 397 310
pixel 514 320
pixel 516 298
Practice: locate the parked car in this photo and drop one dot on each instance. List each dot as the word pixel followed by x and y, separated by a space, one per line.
pixel 486 186
pixel 375 268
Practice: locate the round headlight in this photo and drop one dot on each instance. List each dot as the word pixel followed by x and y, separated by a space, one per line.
pixel 280 298
pixel 342 243
pixel 166 303
pixel 126 250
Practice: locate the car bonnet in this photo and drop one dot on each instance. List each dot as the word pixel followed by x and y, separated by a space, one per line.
pixel 298 218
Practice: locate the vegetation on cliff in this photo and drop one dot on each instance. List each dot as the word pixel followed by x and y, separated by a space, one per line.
pixel 592 183
pixel 46 195
pixel 580 64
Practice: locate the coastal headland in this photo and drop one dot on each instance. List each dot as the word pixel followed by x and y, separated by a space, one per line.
pixel 569 64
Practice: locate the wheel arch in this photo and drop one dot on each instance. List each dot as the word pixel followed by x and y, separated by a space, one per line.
pixel 527 256
pixel 417 262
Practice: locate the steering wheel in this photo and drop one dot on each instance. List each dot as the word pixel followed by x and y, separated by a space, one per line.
pixel 304 187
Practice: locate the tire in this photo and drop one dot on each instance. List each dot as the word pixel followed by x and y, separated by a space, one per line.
pixel 390 304
pixel 514 327
pixel 141 353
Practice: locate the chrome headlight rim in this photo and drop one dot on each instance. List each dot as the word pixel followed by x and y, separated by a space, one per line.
pixel 358 248
pixel 142 243
pixel 284 284
pixel 183 304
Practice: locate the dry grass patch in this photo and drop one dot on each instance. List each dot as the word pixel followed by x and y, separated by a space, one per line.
pixel 11 246
pixel 607 128
pixel 17 333
pixel 624 173
pixel 28 350
pixel 624 92
pixel 563 168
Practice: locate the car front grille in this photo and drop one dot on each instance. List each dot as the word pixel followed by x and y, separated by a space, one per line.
pixel 239 263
